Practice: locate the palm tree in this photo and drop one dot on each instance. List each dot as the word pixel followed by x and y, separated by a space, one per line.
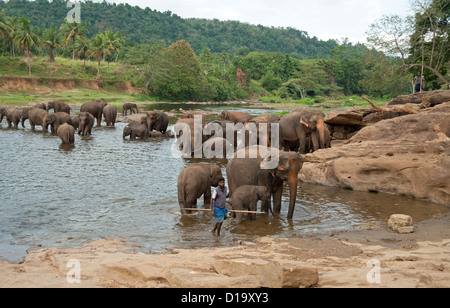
pixel 52 40
pixel 25 38
pixel 97 50
pixel 73 31
pixel 5 29
pixel 112 42
pixel 82 51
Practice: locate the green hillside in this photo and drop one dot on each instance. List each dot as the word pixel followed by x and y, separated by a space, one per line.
pixel 143 25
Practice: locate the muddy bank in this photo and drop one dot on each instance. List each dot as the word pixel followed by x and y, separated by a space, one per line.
pixel 59 84
pixel 420 259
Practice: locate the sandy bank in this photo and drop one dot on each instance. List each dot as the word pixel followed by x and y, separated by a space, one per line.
pixel 421 259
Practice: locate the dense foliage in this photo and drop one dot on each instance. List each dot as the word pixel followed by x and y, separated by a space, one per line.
pixel 196 59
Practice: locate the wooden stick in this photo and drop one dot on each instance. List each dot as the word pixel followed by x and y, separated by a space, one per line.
pixel 231 211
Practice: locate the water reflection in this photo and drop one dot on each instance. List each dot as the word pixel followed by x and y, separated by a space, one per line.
pixel 53 195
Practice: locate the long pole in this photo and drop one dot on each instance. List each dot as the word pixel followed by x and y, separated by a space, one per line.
pixel 231 211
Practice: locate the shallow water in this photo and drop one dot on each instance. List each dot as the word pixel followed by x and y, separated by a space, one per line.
pixel 52 195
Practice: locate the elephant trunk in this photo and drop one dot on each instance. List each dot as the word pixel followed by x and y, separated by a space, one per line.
pixel 321 130
pixel 292 183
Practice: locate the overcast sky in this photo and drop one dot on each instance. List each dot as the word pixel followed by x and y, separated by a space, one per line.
pixel 325 19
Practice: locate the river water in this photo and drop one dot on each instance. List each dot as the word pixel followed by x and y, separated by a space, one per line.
pixel 52 195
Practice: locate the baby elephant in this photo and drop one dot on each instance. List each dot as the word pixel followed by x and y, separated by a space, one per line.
pixel 246 198
pixel 67 134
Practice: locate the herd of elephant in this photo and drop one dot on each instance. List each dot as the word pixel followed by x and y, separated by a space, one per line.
pixel 62 124
pixel 248 180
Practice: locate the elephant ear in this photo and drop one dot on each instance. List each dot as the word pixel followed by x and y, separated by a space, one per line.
pixel 303 122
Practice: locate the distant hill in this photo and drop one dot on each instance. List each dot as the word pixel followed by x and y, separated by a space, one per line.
pixel 142 25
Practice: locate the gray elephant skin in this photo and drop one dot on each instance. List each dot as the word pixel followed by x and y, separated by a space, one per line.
pixel 96 109
pixel 12 114
pixel 66 133
pixel 158 121
pixel 295 127
pixel 58 106
pixel 36 116
pixel 194 181
pixel 86 123
pixel 251 171
pixel 110 114
pixel 129 106
pixel 55 120
pixel 246 198
pixel 136 130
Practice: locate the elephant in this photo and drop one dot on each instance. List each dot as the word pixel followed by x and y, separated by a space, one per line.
pixel 40 105
pixel 157 120
pixel 196 135
pixel 110 114
pixel 309 140
pixel 58 106
pixel 217 147
pixel 129 106
pixel 96 109
pixel 260 136
pixel 194 181
pixel 55 120
pixel 76 122
pixel 255 171
pixel 246 198
pixel 36 116
pixel 218 128
pixel 24 115
pixel 296 126
pixel 66 133
pixel 135 130
pixel 12 116
pixel 236 117
pixel 87 121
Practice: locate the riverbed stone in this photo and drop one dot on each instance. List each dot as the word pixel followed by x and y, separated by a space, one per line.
pixel 268 273
pixel 397 221
pixel 189 278
pixel 298 276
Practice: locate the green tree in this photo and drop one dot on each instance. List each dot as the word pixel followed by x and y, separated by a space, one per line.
pixel 52 40
pixel 112 43
pixel 186 80
pixel 97 50
pixel 424 36
pixel 25 38
pixel 82 49
pixel 72 32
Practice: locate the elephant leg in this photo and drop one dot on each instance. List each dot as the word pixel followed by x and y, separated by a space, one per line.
pixel 207 197
pixel 253 207
pixel 277 194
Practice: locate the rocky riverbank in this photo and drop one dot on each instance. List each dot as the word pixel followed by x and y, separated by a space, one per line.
pixel 350 259
pixel 407 155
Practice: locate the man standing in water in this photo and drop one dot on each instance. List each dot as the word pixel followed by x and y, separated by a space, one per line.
pixel 218 205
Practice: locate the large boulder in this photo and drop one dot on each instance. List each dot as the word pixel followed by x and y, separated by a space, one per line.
pixel 408 155
pixel 434 98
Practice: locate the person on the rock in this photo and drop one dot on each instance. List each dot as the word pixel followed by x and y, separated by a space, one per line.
pixel 419 82
pixel 218 206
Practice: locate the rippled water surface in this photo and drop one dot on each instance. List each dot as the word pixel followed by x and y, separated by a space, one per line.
pixel 53 195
